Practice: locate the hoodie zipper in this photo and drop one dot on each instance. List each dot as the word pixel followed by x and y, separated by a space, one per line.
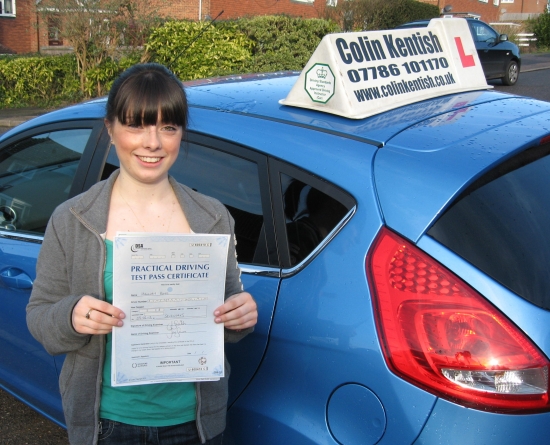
pixel 101 287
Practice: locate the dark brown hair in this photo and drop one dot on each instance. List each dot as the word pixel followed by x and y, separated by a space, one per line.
pixel 142 91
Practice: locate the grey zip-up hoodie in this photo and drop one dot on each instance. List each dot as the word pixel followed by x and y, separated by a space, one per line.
pixel 70 265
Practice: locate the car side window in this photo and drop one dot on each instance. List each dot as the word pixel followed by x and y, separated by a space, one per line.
pixel 482 33
pixel 310 215
pixel 36 175
pixel 231 179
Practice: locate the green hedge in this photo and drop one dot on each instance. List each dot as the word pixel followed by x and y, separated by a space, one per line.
pixel 192 50
pixel 195 50
pixel 397 12
pixel 371 15
pixel 100 78
pixel 282 42
pixel 38 80
pixel 258 44
pixel 541 27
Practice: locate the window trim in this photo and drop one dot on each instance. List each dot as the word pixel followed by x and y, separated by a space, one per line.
pixel 16 236
pixel 277 167
pixel 288 272
pixel 95 125
pixel 2 8
pixel 261 161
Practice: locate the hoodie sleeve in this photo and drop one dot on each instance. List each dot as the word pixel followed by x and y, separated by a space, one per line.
pixel 49 311
pixel 233 283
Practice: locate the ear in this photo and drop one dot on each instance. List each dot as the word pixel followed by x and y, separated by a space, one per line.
pixel 108 126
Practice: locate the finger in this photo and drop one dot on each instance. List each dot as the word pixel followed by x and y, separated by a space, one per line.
pixel 234 302
pixel 102 318
pixel 230 304
pixel 93 316
pixel 101 306
pixel 244 311
pixel 90 326
pixel 94 329
pixel 246 320
pixel 238 325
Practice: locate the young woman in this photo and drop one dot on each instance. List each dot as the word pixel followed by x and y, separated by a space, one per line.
pixel 70 310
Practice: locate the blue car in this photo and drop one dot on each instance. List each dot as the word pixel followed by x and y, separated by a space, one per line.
pixel 401 262
pixel 500 58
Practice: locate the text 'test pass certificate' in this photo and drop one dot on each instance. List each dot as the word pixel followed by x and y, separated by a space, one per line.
pixel 168 285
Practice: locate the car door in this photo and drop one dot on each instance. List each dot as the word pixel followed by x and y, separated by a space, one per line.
pixel 490 54
pixel 237 176
pixel 39 169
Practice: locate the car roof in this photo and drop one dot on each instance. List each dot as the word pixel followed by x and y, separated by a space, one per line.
pixel 258 96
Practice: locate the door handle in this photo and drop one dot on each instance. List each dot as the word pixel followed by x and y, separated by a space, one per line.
pixel 15 278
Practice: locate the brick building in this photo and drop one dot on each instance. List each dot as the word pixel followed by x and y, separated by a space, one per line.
pixel 244 8
pixel 495 10
pixel 521 10
pixel 20 33
pixel 18 30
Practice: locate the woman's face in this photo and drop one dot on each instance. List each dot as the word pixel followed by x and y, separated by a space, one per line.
pixel 147 152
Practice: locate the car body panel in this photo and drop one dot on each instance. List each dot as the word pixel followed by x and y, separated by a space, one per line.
pixel 87 110
pixel 323 336
pixel 452 424
pixel 419 171
pixel 244 366
pixel 376 130
pixel 26 369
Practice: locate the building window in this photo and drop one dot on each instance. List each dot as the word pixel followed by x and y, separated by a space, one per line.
pixel 335 2
pixel 7 7
pixel 484 1
pixel 54 24
pixel 506 1
pixel 496 2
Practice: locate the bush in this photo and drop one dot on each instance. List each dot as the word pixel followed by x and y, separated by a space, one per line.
pixel 193 50
pixel 371 15
pixel 100 78
pixel 38 80
pixel 282 42
pixel 541 27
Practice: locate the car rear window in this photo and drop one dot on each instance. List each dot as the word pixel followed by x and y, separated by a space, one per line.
pixel 501 225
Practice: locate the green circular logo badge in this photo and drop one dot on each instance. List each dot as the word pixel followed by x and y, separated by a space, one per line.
pixel 319 83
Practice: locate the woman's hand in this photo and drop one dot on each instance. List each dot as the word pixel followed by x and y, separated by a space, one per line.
pixel 238 312
pixel 93 316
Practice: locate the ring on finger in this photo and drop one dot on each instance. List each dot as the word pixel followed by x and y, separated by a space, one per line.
pixel 88 313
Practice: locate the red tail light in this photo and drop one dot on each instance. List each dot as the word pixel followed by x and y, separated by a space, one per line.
pixel 440 334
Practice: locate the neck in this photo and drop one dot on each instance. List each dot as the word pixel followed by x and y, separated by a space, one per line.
pixel 137 191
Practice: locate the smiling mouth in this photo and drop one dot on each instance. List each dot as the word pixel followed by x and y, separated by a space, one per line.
pixel 149 159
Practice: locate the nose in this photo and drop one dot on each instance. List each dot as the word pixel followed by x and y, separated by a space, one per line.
pixel 151 138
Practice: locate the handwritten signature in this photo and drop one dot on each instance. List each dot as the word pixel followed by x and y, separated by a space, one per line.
pixel 174 328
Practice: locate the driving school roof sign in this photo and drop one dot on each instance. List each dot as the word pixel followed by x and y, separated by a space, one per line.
pixel 360 74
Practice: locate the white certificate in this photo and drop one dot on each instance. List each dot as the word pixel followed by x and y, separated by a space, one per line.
pixel 168 285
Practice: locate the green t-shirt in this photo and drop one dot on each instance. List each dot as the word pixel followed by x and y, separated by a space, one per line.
pixel 160 404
